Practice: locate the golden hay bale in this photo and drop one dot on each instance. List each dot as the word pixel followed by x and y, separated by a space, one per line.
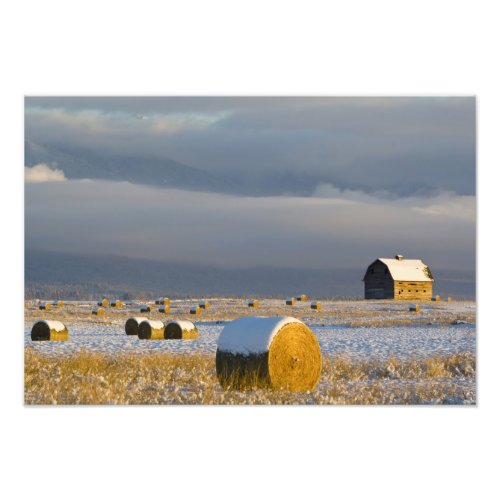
pixel 316 305
pixel 145 309
pixel 103 303
pixel 184 330
pixel 44 306
pixel 253 303
pixel 116 303
pixel 195 310
pixel 164 301
pixel 450 299
pixel 437 298
pixel 49 330
pixel 302 298
pixel 98 311
pixel 276 352
pixel 132 325
pixel 290 301
pixel 415 308
pixel 151 330
pixel 204 304
pixel 57 303
pixel 164 309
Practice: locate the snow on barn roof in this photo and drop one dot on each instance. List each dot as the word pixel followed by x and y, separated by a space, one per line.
pixel 407 269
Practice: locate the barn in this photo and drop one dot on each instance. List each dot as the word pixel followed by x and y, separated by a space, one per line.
pixel 398 279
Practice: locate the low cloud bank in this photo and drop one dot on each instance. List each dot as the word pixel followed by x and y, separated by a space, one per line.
pixel 43 173
pixel 338 229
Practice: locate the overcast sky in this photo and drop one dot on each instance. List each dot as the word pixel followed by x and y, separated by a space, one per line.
pixel 395 175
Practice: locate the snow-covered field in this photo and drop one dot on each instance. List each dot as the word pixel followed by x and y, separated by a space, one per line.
pixel 402 342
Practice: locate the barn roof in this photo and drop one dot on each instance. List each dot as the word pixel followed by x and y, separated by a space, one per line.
pixel 407 269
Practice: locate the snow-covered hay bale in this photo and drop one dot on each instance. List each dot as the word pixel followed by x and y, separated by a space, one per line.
pixel 277 352
pixel 49 330
pixel 253 303
pixel 301 298
pixel 151 330
pixel 184 330
pixel 132 325
pixel 204 304
pixel 436 298
pixel 116 303
pixel 57 303
pixel 162 301
pixel 415 308
pixel 164 309
pixel 145 309
pixel 316 305
pixel 195 310
pixel 98 311
pixel 45 306
pixel 290 301
pixel 103 303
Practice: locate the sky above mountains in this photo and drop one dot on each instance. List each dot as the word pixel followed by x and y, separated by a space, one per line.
pixel 319 182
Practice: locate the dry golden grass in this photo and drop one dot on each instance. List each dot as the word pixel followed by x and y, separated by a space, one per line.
pixel 164 378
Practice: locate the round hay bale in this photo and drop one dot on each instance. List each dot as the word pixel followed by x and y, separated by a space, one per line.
pixel 151 330
pixel 184 330
pixel 316 305
pixel 301 298
pixel 195 310
pixel 164 309
pixel 103 303
pixel 290 301
pixel 436 298
pixel 45 306
pixel 57 303
pixel 145 309
pixel 98 311
pixel 450 299
pixel 132 325
pixel 415 308
pixel 49 330
pixel 116 303
pixel 204 304
pixel 253 303
pixel 277 353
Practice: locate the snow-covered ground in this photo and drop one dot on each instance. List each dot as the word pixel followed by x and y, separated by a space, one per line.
pixel 403 342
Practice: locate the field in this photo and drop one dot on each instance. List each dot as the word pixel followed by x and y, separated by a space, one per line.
pixel 374 352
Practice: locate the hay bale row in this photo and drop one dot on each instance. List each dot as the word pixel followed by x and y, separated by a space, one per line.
pixel 49 330
pixel 277 352
pixel 253 303
pixel 147 329
pixel 98 311
pixel 316 305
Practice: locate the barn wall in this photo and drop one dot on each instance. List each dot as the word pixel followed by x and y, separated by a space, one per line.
pixel 378 282
pixel 411 290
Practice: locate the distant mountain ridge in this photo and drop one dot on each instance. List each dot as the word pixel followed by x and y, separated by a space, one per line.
pixel 83 277
pixel 84 164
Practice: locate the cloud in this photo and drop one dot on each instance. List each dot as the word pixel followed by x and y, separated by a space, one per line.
pixel 43 173
pixel 403 145
pixel 339 231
